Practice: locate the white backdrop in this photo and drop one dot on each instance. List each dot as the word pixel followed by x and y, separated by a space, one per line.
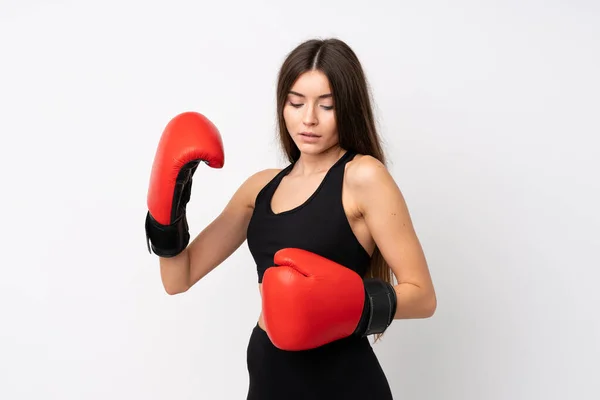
pixel 490 115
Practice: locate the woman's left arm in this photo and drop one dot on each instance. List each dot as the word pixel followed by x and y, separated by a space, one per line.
pixel 386 214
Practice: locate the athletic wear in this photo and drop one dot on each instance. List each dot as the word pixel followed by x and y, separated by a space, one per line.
pixel 346 369
pixel 343 369
pixel 319 224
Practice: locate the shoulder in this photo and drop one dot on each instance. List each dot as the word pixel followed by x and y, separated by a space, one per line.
pixel 262 177
pixel 252 186
pixel 365 172
pixel 369 182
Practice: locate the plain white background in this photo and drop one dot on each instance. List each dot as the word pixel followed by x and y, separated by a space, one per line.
pixel 490 115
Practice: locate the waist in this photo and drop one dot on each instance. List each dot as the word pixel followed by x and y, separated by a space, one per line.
pixel 350 346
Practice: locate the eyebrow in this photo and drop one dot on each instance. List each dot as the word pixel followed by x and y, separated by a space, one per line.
pixel 323 96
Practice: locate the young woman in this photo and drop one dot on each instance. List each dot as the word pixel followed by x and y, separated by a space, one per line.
pixel 329 232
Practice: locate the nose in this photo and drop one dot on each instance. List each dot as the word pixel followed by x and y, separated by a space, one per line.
pixel 310 117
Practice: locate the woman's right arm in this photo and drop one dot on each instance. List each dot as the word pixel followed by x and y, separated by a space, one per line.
pixel 215 243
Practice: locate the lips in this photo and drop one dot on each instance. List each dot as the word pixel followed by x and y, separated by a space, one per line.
pixel 309 134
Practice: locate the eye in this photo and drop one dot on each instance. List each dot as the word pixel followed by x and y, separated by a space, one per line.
pixel 298 105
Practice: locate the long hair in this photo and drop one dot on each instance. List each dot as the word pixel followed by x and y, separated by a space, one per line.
pixel 353 111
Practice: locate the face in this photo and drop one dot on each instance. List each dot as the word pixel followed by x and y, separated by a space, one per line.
pixel 309 114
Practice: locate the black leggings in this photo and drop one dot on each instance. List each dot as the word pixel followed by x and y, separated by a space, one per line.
pixel 346 369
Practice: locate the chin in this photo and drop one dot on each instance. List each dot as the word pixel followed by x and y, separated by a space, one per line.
pixel 310 148
pixel 318 147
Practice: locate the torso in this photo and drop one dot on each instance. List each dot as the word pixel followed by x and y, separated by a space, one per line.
pixel 294 190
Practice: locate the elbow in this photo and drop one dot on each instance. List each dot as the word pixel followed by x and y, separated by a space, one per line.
pixel 430 306
pixel 173 290
pixel 424 307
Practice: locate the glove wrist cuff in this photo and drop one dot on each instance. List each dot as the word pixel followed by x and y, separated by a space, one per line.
pixel 167 240
pixel 380 307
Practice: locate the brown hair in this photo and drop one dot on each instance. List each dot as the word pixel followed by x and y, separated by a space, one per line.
pixel 353 111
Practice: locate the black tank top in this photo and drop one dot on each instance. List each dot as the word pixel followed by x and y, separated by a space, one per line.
pixel 318 225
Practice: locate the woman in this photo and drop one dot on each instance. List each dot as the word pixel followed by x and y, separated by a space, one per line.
pixel 336 213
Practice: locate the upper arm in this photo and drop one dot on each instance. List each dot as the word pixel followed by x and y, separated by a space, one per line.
pixel 383 207
pixel 226 233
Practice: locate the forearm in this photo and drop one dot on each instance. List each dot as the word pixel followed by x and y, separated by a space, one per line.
pixel 414 301
pixel 175 272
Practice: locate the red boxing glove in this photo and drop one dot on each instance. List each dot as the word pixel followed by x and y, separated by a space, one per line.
pixel 188 139
pixel 309 301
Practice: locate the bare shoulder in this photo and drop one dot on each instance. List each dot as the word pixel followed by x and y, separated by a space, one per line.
pixel 255 183
pixel 370 184
pixel 365 171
